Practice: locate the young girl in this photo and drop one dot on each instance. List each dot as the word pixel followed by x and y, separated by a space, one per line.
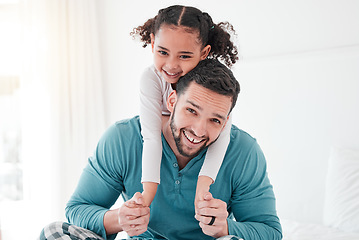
pixel 180 38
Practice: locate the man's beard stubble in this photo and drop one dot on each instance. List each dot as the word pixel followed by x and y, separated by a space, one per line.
pixel 177 139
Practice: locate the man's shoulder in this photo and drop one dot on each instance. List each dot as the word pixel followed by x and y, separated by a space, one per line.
pixel 125 128
pixel 128 122
pixel 244 150
pixel 242 143
pixel 239 135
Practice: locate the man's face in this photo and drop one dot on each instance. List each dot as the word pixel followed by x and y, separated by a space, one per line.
pixel 198 116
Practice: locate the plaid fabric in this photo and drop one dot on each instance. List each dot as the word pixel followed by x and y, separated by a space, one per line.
pixel 66 231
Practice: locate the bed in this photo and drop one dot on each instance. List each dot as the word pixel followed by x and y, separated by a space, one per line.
pixel 293 230
pixel 341 205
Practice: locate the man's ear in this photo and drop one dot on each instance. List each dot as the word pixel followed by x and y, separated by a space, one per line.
pixel 171 100
pixel 152 41
pixel 205 51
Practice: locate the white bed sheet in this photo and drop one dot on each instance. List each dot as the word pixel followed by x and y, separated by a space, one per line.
pixel 307 231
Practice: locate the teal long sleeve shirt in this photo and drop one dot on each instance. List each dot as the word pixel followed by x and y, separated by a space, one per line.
pixel 115 169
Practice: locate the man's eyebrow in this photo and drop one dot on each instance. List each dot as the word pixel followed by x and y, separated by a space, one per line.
pixel 194 105
pixel 183 52
pixel 200 108
pixel 220 116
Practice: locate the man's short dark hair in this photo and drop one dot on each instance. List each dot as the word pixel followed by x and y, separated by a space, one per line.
pixel 213 75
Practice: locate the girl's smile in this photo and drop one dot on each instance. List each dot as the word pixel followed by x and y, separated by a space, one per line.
pixel 176 51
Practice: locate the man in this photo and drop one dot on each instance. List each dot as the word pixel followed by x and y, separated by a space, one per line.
pixel 241 202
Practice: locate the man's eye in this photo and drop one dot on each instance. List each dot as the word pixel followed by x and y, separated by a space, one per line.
pixel 215 120
pixel 191 110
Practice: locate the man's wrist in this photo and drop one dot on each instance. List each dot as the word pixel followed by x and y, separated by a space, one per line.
pixel 223 233
pixel 110 222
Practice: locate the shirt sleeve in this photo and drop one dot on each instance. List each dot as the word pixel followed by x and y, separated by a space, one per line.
pixel 252 206
pixel 151 122
pixel 99 186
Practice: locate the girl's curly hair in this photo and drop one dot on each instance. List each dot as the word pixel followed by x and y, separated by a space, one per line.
pixel 218 36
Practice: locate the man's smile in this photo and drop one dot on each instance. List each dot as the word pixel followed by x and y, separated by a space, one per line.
pixel 192 140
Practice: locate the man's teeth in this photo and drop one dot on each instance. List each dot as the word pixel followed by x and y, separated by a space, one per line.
pixel 191 139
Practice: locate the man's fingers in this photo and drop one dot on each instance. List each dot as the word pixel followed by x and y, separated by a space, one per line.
pixel 216 212
pixel 212 215
pixel 206 219
pixel 135 220
pixel 131 204
pixel 212 203
pixel 134 216
pixel 134 210
pixel 133 230
pixel 132 220
pixel 210 230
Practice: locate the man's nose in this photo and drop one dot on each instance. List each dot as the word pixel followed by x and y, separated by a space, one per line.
pixel 200 128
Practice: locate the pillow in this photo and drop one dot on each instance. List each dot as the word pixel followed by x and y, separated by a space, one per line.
pixel 341 207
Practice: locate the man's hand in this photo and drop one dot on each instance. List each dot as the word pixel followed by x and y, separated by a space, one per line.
pixel 207 208
pixel 134 216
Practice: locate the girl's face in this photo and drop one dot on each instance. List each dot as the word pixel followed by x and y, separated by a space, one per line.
pixel 176 52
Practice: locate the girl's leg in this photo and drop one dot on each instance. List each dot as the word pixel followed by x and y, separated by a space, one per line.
pixel 213 161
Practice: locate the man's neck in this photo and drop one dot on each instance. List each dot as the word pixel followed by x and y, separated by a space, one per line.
pixel 167 133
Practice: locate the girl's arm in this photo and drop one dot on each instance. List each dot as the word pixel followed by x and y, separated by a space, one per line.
pixel 150 118
pixel 215 153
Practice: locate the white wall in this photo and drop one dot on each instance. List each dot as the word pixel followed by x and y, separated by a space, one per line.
pixel 299 73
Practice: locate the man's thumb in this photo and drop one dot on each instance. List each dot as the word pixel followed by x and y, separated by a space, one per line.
pixel 208 196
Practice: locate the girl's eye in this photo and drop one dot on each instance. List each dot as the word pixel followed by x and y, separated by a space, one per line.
pixel 185 56
pixel 163 52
